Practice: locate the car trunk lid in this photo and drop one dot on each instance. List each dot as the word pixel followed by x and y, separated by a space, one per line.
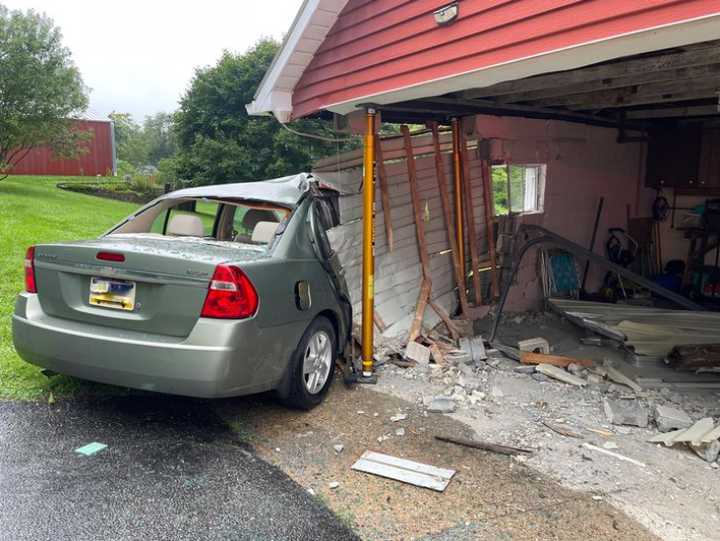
pixel 158 287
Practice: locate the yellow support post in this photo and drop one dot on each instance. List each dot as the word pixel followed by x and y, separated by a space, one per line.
pixel 458 188
pixel 368 261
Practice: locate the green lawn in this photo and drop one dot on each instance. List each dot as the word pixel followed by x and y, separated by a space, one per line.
pixel 32 211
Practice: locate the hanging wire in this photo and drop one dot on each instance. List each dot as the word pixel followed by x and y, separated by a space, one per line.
pixel 318 137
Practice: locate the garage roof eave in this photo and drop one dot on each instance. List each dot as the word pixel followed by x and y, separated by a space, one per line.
pixel 309 29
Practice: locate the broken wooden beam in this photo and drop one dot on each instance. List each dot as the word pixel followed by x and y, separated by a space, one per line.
pixel 486 446
pixel 423 298
pixel 449 323
pixel 530 357
pixel 694 357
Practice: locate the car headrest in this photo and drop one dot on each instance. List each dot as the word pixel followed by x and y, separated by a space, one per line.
pixel 254 216
pixel 264 232
pixel 185 225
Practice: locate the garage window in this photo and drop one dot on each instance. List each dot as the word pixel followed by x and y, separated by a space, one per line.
pixel 518 188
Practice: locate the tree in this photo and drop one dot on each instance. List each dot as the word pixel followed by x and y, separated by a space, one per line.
pixel 147 144
pixel 217 140
pixel 159 137
pixel 128 139
pixel 41 90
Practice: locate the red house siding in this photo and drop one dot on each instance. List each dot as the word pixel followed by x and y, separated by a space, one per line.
pixel 98 160
pixel 381 45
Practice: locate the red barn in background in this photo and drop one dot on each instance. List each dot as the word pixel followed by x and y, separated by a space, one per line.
pixel 98 160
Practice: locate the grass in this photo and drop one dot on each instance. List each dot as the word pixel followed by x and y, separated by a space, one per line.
pixel 33 211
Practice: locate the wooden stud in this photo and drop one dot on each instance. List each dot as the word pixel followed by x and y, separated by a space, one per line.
pixel 415 197
pixel 489 229
pixel 445 317
pixel 379 323
pixel 450 226
pixel 529 357
pixel 422 302
pixel 470 219
pixel 384 194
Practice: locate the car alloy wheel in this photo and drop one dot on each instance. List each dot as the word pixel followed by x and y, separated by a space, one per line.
pixel 317 362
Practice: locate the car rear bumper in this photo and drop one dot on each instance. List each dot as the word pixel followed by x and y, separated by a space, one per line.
pixel 219 358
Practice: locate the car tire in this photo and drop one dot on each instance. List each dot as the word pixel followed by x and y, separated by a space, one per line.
pixel 312 366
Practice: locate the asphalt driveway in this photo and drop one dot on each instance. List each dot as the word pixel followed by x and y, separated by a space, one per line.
pixel 172 470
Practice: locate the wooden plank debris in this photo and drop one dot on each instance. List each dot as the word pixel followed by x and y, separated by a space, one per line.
pixel 562 430
pixel 614 374
pixel 449 323
pixel 406 471
pixel 486 446
pixel 530 357
pixel 694 357
pixel 560 374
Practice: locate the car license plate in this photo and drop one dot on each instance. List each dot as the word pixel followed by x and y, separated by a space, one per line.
pixel 117 294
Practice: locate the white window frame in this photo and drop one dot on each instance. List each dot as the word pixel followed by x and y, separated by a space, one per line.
pixel 537 193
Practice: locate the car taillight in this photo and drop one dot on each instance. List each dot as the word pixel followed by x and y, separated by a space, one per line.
pixel 110 256
pixel 231 295
pixel 30 283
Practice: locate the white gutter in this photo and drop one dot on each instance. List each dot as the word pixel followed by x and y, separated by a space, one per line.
pixel 309 29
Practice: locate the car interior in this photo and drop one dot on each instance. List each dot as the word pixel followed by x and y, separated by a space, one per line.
pixel 221 220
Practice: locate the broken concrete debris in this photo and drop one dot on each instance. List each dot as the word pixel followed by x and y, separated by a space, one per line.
pixel 702 437
pixel 668 418
pixel 417 352
pixel 398 417
pixel 625 412
pixel 338 448
pixel 442 404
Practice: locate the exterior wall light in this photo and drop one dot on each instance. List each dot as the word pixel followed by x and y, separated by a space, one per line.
pixel 447 14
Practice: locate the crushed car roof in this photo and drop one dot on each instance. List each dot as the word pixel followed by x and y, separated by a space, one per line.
pixel 283 191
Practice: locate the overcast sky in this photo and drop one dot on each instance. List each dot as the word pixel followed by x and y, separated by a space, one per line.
pixel 139 56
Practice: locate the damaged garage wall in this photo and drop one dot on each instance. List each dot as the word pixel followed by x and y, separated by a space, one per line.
pixel 398 273
pixel 583 163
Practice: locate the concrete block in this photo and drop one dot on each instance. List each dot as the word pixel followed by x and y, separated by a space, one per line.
pixel 537 345
pixel 417 352
pixel 668 418
pixel 625 412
